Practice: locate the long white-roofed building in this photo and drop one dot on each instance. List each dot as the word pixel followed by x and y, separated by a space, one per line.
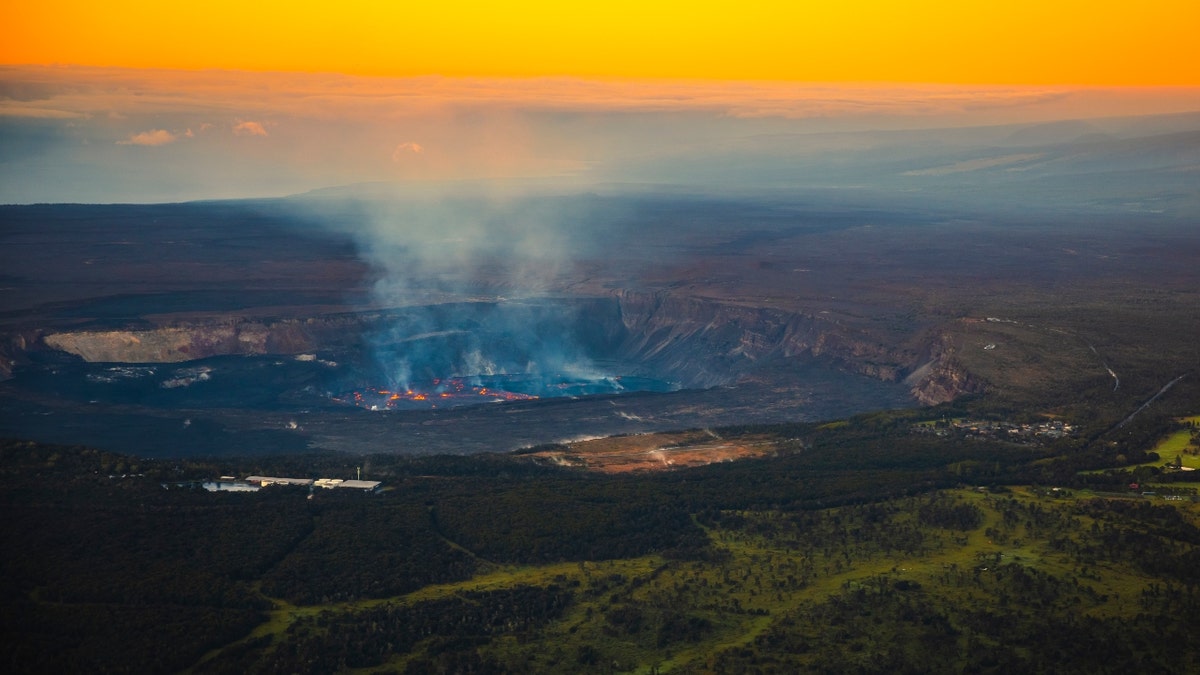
pixel 274 480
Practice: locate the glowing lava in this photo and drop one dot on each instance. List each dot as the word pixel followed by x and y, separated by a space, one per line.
pixel 451 391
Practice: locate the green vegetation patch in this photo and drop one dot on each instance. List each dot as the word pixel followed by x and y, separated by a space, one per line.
pixel 1180 447
pixel 866 547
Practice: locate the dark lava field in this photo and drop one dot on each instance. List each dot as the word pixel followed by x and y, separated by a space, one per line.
pixel 316 324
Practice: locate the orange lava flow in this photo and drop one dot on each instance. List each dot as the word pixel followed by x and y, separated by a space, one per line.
pixel 453 389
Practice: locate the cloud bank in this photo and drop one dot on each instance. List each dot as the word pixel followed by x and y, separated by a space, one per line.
pixel 61 127
pixel 35 91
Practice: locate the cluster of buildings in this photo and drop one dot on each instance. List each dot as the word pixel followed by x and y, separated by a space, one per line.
pixel 1051 429
pixel 252 483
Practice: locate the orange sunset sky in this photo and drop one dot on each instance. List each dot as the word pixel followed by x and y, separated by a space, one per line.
pixel 1035 42
pixel 140 101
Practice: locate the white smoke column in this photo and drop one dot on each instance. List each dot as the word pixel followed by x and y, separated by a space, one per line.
pixel 453 244
pixel 460 265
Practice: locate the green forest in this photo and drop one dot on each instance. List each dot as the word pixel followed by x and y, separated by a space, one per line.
pixel 885 543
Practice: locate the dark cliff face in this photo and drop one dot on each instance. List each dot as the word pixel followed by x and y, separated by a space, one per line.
pixel 12 351
pixel 696 342
pixel 704 342
pixel 946 381
pixel 942 377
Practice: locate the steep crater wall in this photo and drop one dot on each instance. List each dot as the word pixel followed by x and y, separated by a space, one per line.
pixel 694 342
pixel 704 342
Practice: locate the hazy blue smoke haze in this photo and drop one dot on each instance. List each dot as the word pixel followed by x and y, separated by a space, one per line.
pixel 469 277
pixel 535 343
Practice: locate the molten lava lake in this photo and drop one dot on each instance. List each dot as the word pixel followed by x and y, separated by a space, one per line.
pixel 248 405
pixel 281 383
pixel 464 378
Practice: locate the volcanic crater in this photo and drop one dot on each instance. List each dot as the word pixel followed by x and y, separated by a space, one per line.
pixel 453 377
pixel 254 331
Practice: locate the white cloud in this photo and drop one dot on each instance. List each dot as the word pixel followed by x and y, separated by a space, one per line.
pixel 152 137
pixel 406 148
pixel 248 128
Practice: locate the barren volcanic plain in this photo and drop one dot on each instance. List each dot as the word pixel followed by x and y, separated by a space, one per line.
pixel 273 326
pixel 933 412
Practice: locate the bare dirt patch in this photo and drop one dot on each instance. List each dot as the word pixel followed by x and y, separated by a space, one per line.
pixel 656 452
